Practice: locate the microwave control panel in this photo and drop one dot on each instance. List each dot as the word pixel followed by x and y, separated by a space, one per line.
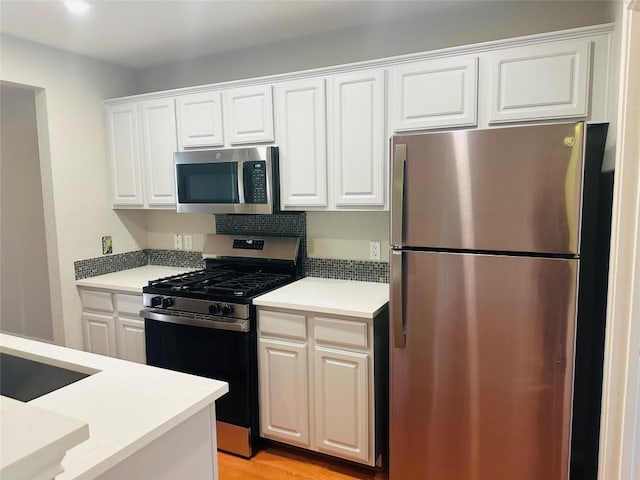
pixel 255 180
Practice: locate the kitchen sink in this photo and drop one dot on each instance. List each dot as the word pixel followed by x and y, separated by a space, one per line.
pixel 23 379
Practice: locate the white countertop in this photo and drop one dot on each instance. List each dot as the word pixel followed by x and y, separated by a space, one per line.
pixel 45 438
pixel 132 280
pixel 126 405
pixel 324 295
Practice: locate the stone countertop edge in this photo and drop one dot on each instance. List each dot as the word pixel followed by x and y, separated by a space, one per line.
pixel 335 297
pixel 126 405
pixel 131 280
pixel 46 438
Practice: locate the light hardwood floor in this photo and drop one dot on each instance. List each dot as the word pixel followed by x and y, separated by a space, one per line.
pixel 279 463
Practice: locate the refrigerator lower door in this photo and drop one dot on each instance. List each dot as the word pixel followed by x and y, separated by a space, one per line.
pixel 482 388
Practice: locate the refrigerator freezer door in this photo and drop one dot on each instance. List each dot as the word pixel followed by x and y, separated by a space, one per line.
pixel 504 189
pixel 482 388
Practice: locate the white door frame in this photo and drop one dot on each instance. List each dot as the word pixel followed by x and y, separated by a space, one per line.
pixel 619 456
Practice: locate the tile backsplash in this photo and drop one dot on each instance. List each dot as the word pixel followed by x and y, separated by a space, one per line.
pixel 284 225
pixel 348 269
pixel 91 267
pixel 175 258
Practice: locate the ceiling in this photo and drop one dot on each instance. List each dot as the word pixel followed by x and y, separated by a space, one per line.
pixel 145 33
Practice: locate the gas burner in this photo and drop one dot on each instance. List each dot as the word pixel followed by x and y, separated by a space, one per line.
pixel 248 285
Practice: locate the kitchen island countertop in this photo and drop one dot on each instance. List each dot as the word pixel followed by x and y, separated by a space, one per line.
pixel 126 405
pixel 334 297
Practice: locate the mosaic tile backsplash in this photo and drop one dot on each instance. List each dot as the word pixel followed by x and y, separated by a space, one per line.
pixel 284 225
pixel 175 258
pixel 92 267
pixel 348 270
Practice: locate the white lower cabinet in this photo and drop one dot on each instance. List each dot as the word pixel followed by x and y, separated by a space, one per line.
pixel 99 333
pixel 284 398
pixel 342 403
pixel 111 324
pixel 130 339
pixel 316 376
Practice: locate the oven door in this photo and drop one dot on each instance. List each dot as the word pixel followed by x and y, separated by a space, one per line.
pixel 209 347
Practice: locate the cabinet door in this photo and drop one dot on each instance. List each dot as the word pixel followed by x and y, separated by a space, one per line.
pixel 248 113
pixel 131 345
pixel 199 120
pixel 284 398
pixel 124 155
pixel 342 403
pixel 301 132
pixel 357 140
pixel 99 334
pixel 539 82
pixel 158 118
pixel 435 94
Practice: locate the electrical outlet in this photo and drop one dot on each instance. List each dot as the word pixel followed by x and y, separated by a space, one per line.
pixel 188 242
pixel 177 241
pixel 374 250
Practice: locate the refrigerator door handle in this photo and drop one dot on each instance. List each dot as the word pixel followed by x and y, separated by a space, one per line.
pixel 397 300
pixel 397 194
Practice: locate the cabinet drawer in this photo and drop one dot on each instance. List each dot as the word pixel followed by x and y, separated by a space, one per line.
pixel 341 332
pixel 94 300
pixel 281 324
pixel 131 304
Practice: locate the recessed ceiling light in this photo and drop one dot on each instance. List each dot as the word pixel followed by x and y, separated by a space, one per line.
pixel 77 8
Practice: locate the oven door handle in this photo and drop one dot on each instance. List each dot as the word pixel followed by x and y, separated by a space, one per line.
pixel 197 320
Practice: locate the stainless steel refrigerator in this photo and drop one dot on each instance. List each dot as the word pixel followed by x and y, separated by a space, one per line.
pixel 487 232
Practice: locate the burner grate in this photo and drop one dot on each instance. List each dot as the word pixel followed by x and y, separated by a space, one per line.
pixel 248 285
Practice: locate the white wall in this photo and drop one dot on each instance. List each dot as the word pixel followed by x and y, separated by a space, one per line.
pixel 69 93
pixel 465 24
pixel 162 224
pixel 620 424
pixel 25 301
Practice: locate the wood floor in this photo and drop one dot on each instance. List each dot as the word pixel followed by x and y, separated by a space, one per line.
pixel 279 463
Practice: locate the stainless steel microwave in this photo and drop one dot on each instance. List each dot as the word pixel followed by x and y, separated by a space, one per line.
pixel 238 180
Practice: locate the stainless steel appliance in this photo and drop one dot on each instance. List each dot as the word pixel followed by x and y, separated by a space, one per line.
pixel 204 323
pixel 238 180
pixel 492 235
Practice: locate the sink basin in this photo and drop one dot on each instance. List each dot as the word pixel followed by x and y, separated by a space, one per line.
pixel 24 380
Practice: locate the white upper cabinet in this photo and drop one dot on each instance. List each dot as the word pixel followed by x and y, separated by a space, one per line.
pixel 248 114
pixel 124 154
pixel 435 94
pixel 332 125
pixel 158 145
pixel 539 82
pixel 301 135
pixel 200 120
pixel 357 139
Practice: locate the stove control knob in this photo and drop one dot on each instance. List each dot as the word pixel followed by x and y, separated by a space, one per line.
pixel 214 308
pixel 168 302
pixel 227 309
pixel 155 301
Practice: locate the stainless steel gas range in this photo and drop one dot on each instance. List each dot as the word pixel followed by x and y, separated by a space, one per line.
pixel 204 323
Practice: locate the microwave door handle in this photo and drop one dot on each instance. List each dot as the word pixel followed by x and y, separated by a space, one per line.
pixel 241 182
